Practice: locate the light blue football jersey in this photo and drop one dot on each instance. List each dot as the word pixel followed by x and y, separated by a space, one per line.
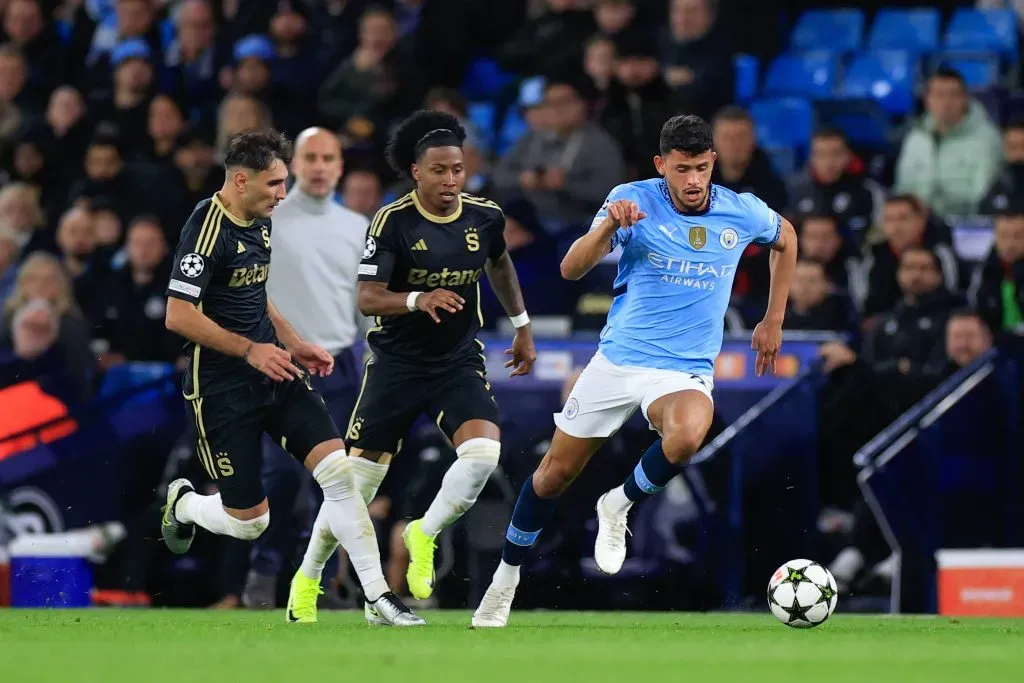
pixel 675 275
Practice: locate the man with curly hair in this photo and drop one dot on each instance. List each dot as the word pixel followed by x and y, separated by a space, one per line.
pixel 424 256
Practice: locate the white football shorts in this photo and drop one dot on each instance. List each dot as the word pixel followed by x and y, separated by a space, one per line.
pixel 606 396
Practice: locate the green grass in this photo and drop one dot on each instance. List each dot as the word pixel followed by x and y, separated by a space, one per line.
pixel 225 647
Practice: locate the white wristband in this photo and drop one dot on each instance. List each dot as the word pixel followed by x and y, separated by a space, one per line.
pixel 520 320
pixel 410 301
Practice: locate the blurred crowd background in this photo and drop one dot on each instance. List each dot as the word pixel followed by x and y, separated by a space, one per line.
pixel 891 135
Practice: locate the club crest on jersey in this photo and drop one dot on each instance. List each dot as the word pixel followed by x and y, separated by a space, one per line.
pixel 698 236
pixel 729 239
pixel 371 247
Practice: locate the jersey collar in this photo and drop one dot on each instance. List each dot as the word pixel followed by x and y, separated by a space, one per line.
pixel 232 217
pixel 712 195
pixel 432 217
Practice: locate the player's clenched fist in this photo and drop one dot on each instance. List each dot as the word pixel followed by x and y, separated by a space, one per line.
pixel 625 213
pixel 272 361
pixel 439 299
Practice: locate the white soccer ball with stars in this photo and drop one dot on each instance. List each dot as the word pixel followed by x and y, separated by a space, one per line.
pixel 802 594
pixel 192 265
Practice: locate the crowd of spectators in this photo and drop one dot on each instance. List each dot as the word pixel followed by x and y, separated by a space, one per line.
pixel 114 114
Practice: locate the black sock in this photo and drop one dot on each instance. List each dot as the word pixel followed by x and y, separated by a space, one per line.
pixel 650 475
pixel 528 519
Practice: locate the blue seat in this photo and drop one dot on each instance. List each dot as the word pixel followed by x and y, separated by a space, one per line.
pixel 916 30
pixel 974 30
pixel 979 71
pixel 782 122
pixel 484 80
pixel 837 29
pixel 865 122
pixel 483 116
pixel 812 74
pixel 128 376
pixel 747 74
pixel 512 128
pixel 886 76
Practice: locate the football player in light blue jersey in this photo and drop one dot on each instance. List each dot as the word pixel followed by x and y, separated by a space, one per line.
pixel 681 239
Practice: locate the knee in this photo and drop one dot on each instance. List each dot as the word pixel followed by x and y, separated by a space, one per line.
pixel 680 444
pixel 481 455
pixel 552 478
pixel 250 529
pixel 334 476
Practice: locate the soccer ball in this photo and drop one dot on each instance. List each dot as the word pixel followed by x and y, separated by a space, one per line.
pixel 802 594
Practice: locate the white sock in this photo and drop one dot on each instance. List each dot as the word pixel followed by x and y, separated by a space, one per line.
pixel 462 483
pixel 322 545
pixel 506 574
pixel 205 511
pixel 616 500
pixel 350 523
pixel 209 513
pixel 367 476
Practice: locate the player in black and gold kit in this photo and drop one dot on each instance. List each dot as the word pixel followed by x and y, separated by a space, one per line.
pixel 420 274
pixel 248 375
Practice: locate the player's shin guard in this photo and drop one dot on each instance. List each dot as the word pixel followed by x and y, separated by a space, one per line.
pixel 322 545
pixel 367 476
pixel 349 521
pixel 528 519
pixel 652 474
pixel 462 483
pixel 209 513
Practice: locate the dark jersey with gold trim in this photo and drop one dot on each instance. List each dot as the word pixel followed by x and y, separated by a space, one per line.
pixel 414 251
pixel 221 265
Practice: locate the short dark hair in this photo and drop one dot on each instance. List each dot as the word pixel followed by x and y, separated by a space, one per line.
pixel 829 133
pixel 733 114
pixel 256 150
pixel 1016 123
pixel 107 137
pixel 819 216
pixel 686 133
pixel 968 313
pixel 421 131
pixel 910 200
pixel 949 73
pixel 923 250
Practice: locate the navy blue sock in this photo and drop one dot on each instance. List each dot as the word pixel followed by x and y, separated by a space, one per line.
pixel 650 475
pixel 528 519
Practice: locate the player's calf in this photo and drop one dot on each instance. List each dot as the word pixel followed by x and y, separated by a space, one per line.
pixel 209 512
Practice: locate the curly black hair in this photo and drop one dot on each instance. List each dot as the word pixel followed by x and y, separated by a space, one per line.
pixel 421 131
pixel 256 150
pixel 686 133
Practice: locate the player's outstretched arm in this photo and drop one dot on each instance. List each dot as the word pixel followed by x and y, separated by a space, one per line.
pixel 767 339
pixel 587 251
pixel 376 299
pixel 505 283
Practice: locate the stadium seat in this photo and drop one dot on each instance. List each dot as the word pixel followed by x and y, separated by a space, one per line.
pixel 782 122
pixel 865 122
pixel 885 76
pixel 484 80
pixel 979 72
pixel 916 30
pixel 974 30
pixel 812 74
pixel 483 116
pixel 838 29
pixel 128 376
pixel 512 128
pixel 747 75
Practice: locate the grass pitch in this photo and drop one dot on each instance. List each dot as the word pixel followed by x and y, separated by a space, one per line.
pixel 225 647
